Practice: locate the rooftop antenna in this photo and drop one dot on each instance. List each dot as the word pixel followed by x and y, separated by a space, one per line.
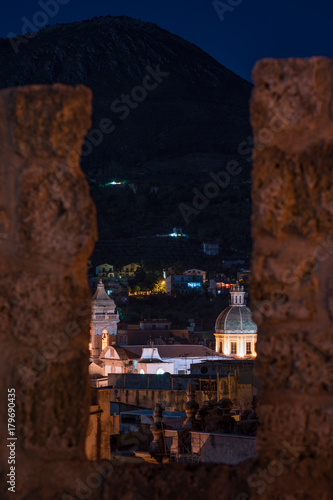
pixel 150 342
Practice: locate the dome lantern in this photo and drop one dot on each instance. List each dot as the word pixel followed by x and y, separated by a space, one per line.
pixel 237 295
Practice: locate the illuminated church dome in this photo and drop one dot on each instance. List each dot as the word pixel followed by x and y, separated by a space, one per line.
pixel 235 331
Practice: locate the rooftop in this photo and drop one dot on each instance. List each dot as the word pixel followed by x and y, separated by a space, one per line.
pixel 174 351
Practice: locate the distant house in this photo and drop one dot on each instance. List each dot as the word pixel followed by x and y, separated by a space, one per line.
pixel 110 271
pixel 130 269
pixel 196 272
pixel 211 248
pixel 106 270
pixel 244 275
pixel 183 283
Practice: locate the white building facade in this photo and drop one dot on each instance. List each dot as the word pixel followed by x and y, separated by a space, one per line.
pixel 153 359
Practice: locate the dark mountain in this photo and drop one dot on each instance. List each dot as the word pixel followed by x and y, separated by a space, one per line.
pixel 176 113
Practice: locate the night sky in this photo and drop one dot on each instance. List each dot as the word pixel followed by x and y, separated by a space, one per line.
pixel 250 30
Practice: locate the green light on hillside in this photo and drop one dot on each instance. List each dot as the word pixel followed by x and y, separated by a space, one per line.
pixel 112 183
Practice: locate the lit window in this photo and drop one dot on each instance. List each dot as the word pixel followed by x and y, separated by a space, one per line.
pixel 248 347
pixel 160 371
pixel 233 347
pixel 194 285
pixel 142 372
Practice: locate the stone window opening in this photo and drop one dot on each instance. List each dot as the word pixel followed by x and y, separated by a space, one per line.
pixel 40 126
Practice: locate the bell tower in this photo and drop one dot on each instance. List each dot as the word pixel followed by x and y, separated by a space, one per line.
pixel 104 320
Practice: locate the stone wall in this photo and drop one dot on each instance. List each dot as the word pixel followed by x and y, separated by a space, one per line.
pixel 47 233
pixel 97 444
pixel 148 398
pixel 292 264
pixel 141 398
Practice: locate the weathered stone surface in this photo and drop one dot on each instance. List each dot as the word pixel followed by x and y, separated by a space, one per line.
pixel 47 232
pixel 296 359
pixel 291 288
pixel 289 191
pixel 292 99
pixel 57 228
pixel 48 125
pixel 303 423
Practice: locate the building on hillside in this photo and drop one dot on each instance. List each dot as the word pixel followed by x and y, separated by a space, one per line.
pixel 234 262
pixel 117 288
pixel 104 320
pixel 105 270
pixel 110 271
pixel 243 275
pixel 235 331
pixel 211 248
pixel 129 270
pixel 183 283
pixel 196 272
